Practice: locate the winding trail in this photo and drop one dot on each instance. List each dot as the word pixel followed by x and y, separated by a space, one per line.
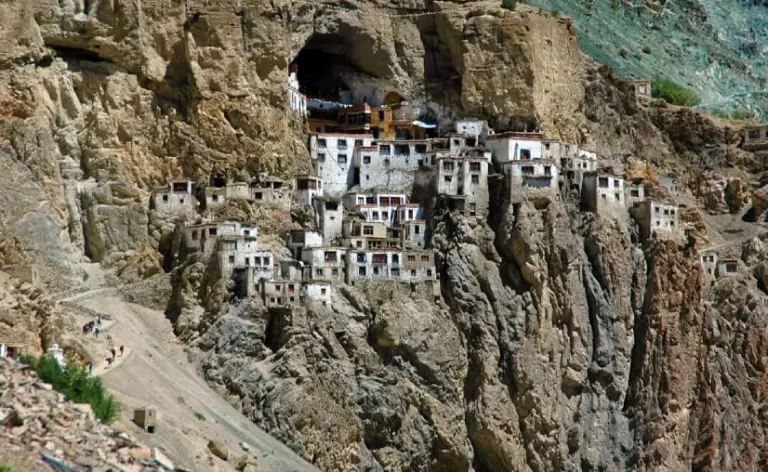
pixel 155 371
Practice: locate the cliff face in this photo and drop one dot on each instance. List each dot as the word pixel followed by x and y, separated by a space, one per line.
pixel 560 341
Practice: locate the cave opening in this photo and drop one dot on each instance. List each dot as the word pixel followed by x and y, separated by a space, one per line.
pixel 327 71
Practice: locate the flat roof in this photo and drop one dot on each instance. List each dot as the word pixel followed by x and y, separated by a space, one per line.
pixel 345 135
pixel 520 135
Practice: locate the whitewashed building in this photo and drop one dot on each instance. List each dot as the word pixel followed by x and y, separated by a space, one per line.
pixel 602 192
pixel 296 100
pixel 320 292
pixel 203 236
pixel 708 264
pixel 512 146
pixel 307 188
pixel 324 263
pixel 465 178
pixel 634 193
pixel 175 199
pixel 329 213
pixel 332 157
pixel 390 164
pixel 381 263
pixel 418 266
pixel 473 128
pixel 656 219
pixel 300 239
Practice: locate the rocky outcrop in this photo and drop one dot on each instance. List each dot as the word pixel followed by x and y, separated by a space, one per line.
pixel 40 431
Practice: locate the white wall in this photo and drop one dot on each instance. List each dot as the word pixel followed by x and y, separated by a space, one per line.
pixel 319 292
pixel 333 161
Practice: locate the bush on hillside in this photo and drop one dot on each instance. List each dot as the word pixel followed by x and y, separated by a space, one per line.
pixel 76 385
pixel 741 114
pixel 508 4
pixel 674 93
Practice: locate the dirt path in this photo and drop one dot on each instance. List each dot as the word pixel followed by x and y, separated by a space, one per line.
pixel 154 370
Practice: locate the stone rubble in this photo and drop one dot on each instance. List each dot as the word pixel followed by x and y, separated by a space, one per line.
pixel 38 424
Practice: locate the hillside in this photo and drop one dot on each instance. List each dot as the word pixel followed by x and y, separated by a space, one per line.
pixel 717 48
pixel 391 235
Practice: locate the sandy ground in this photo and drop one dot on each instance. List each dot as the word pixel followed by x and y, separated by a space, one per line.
pixel 154 370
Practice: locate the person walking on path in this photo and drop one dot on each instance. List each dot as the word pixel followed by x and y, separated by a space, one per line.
pixel 112 351
pixel 109 361
pixel 122 349
pixel 96 331
pixel 90 368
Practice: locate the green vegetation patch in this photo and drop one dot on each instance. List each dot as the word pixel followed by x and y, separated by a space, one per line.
pixel 508 4
pixel 674 93
pixel 198 415
pixel 76 385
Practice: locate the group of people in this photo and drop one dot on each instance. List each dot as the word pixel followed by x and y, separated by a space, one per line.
pixel 93 326
pixel 113 354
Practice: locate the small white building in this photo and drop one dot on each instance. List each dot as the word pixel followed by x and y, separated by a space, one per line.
pixel 203 236
pixel 296 100
pixel 466 178
pixel 708 264
pixel 656 219
pixel 175 199
pixel 602 192
pixel 300 239
pixel 473 128
pixel 280 293
pixel 414 234
pixel 531 179
pixel 329 214
pixel 332 157
pixel 410 212
pixel 728 267
pixel 271 192
pixel 390 164
pixel 238 252
pixel 307 188
pixel 324 264
pixel 513 146
pixel 634 193
pixel 381 263
pixel 369 235
pixel 418 266
pixel 320 292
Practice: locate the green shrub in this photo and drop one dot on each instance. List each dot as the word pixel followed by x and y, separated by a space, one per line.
pixel 508 4
pixel 199 416
pixel 646 49
pixel 554 12
pixel 674 93
pixel 76 385
pixel 719 113
pixel 5 468
pixel 741 114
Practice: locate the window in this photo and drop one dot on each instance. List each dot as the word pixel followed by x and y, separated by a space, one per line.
pixel 410 214
pixel 375 215
pixel 361 271
pixel 361 258
pixel 215 198
pixel 617 197
pixel 386 162
pixel 181 200
pixel 291 288
pixel 474 167
pixel 323 291
pixel 754 134
pixel 318 272
pixel 666 211
pixel 548 171
pixel 603 182
pixel 657 209
pixel 194 234
pixel 417 229
pixel 475 179
pixel 359 244
pixel 342 159
pixel 413 272
pixel 232 259
pixel 604 196
pixel 247 261
pixel 368 230
pixel 321 142
pixel 730 267
pixel 616 183
pixel 525 154
pixel 671 211
pixel 379 258
pixel 424 258
pixel 384 149
pixel 266 261
pixel 342 144
pixel 165 198
pixel 366 159
pixel 634 192
pixel 447 165
pixel 358 142
pixel 277 288
pixel 411 258
pixel 447 178
pixel 527 170
pixel 395 259
pixel 384 215
pixel 381 115
pixel 395 272
pixel 429 272
pixel 335 272
pixel 211 231
pixel 321 156
pixel 331 256
pixel 421 148
pixel 402 149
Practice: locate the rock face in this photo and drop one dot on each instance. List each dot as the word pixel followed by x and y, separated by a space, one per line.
pixel 560 341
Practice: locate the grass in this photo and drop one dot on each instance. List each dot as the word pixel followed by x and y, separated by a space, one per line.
pixel 674 93
pixel 5 468
pixel 76 385
pixel 198 415
pixel 739 114
pixel 508 4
